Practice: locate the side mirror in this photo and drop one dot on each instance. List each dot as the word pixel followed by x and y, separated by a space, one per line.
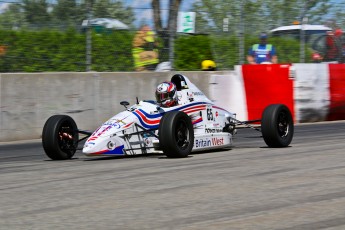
pixel 124 103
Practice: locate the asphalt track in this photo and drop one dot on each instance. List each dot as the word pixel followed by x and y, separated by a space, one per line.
pixel 248 187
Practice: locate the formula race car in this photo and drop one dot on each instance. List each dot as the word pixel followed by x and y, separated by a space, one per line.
pixel 195 124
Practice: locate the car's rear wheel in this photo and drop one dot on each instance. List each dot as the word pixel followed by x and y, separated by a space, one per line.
pixel 277 126
pixel 176 134
pixel 60 137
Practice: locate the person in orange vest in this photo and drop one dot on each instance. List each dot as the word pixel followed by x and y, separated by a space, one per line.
pixel 262 52
pixel 3 50
pixel 145 52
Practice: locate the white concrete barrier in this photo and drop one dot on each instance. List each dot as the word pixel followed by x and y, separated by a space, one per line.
pixel 28 100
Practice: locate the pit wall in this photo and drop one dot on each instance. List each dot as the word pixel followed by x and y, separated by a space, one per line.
pixel 313 92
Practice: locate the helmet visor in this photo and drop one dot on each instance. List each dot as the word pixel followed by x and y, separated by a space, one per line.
pixel 161 97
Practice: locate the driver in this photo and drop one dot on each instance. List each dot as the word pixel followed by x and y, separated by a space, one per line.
pixel 166 94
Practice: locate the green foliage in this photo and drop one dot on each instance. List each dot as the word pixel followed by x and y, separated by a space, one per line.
pixel 51 50
pixel 225 50
pixel 190 51
pixel 112 52
pixel 259 15
pixel 36 11
pixel 61 13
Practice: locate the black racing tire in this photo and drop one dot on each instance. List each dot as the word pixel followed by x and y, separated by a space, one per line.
pixel 277 126
pixel 176 134
pixel 60 137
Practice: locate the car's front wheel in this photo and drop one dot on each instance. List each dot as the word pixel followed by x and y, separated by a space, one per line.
pixel 60 137
pixel 176 134
pixel 277 126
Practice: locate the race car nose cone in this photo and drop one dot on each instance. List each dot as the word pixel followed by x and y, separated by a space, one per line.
pixel 88 148
pixel 103 146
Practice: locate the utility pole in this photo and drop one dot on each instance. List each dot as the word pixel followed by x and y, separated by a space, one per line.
pixel 304 20
pixel 172 30
pixel 241 35
pixel 89 36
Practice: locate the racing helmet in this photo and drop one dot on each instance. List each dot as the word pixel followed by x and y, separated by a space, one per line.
pixel 166 94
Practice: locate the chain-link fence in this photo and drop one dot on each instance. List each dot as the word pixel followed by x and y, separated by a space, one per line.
pixel 104 35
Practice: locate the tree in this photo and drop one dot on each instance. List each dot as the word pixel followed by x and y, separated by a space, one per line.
pixel 257 15
pixel 13 17
pixel 119 11
pixel 113 9
pixel 339 15
pixel 169 31
pixel 101 9
pixel 172 18
pixel 66 12
pixel 36 12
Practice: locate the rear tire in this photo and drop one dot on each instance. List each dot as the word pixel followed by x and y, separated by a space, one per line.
pixel 277 126
pixel 176 134
pixel 60 137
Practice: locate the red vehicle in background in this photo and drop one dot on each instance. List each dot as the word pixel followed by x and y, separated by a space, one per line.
pixel 328 45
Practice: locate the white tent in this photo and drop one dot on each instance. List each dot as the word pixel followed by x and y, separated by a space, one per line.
pixel 108 23
pixel 304 27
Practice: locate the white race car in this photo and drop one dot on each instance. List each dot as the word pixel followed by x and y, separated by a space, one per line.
pixel 195 124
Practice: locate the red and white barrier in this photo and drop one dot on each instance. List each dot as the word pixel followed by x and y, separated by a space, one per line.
pixel 337 92
pixel 313 92
pixel 311 87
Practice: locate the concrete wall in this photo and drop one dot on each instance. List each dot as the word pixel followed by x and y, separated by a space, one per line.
pixel 28 100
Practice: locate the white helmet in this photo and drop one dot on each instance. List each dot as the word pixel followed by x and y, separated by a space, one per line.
pixel 166 94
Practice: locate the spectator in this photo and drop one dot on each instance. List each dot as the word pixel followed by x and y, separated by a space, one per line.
pixel 316 57
pixel 3 50
pixel 145 52
pixel 262 52
pixel 208 65
pixel 334 47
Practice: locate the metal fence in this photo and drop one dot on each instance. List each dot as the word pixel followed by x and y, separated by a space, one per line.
pixel 230 28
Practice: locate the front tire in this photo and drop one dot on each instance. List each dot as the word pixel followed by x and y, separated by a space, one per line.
pixel 176 134
pixel 277 126
pixel 60 137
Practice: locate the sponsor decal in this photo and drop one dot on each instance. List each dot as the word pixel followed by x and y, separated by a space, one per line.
pixel 208 142
pixel 213 130
pixel 154 112
pixel 190 97
pixel 198 93
pixel 111 145
pixel 112 124
pixel 147 141
pixel 217 141
pixel 200 143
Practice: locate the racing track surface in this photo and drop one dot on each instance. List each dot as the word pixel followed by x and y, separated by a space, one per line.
pixel 248 187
